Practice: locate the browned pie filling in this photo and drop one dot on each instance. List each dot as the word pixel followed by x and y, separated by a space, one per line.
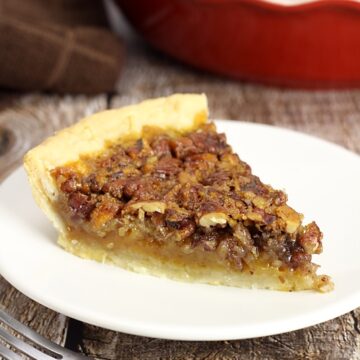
pixel 189 193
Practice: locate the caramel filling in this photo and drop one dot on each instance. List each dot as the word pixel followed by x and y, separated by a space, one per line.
pixel 184 197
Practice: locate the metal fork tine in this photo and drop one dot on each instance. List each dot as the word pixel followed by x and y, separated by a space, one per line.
pixel 23 346
pixel 28 333
pixel 8 354
pixel 57 351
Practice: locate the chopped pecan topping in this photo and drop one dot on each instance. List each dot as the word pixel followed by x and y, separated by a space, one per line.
pixel 167 167
pixel 161 146
pixel 299 257
pixel 191 188
pixel 149 206
pixel 105 210
pixel 213 219
pixel 291 218
pixel 81 205
pixel 135 150
pixel 70 185
pixel 115 187
pixel 310 240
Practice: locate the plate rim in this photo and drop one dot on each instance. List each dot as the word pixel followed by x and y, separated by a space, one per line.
pixel 238 331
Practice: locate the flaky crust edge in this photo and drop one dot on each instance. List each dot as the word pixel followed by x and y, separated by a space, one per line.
pixel 180 112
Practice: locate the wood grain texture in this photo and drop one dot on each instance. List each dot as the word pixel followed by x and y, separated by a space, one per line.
pixel 331 115
pixel 24 122
pixel 31 118
pixel 338 339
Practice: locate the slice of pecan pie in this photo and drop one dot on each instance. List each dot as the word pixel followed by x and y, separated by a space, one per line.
pixel 155 189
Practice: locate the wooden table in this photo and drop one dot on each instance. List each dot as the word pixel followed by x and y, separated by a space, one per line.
pixel 335 116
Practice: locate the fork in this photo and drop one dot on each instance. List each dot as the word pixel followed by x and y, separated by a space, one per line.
pixel 44 350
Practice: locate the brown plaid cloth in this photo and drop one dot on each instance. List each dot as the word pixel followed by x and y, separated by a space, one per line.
pixel 57 45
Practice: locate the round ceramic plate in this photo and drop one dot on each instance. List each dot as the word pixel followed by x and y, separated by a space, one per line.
pixel 322 181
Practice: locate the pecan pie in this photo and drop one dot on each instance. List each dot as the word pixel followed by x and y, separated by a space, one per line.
pixel 155 189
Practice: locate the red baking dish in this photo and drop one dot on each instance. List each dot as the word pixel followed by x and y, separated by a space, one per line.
pixel 314 44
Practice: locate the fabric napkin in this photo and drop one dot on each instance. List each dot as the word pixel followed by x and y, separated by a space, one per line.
pixel 58 45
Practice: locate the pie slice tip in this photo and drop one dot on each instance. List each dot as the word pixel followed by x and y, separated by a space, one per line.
pixel 153 188
pixel 181 112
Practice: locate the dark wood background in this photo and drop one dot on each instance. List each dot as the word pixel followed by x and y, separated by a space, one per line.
pixel 25 119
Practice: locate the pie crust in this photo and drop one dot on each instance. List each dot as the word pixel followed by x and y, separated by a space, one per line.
pixel 179 115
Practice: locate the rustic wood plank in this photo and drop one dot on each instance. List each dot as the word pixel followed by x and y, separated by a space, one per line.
pixel 33 117
pixel 333 115
pixel 26 120
pixel 337 339
pixel 46 322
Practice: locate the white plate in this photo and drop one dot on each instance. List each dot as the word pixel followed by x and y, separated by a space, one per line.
pixel 322 181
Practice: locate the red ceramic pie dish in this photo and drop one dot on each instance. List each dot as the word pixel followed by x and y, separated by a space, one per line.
pixel 314 44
